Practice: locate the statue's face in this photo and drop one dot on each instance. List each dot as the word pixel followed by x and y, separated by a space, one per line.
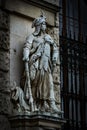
pixel 43 26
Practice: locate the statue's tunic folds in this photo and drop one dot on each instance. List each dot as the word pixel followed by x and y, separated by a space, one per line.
pixel 40 63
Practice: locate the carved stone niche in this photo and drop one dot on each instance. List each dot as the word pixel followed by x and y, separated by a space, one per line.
pixel 22 14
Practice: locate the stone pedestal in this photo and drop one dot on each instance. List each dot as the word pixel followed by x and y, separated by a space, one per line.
pixel 35 122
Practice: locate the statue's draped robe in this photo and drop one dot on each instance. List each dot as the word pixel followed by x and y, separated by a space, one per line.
pixel 40 68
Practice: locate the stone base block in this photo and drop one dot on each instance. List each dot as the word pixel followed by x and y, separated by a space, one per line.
pixel 35 122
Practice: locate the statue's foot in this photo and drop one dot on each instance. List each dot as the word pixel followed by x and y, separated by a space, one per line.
pixel 35 108
pixel 54 108
pixel 44 107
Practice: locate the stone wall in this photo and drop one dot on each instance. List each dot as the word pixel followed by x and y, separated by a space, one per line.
pixel 20 28
pixel 4 61
pixel 5 104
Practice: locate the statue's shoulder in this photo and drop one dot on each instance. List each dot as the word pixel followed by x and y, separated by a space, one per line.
pixel 48 39
pixel 47 35
pixel 30 38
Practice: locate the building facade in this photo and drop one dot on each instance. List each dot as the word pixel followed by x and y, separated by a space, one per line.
pixel 67 23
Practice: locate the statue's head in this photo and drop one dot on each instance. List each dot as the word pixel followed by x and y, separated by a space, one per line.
pixel 39 24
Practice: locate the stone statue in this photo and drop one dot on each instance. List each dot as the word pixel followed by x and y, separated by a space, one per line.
pixel 17 97
pixel 40 55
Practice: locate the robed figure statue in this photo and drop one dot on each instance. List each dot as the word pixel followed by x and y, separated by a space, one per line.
pixel 40 55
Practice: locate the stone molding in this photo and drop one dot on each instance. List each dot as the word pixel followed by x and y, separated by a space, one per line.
pixel 52 5
pixel 36 121
pixel 54 2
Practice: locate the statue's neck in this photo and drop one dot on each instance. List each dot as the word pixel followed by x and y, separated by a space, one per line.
pixel 41 33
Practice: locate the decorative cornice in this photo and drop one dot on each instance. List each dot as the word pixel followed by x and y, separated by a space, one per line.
pixel 54 2
pixel 51 5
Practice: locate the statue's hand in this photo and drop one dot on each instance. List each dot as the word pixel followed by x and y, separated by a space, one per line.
pixel 54 60
pixel 33 58
pixel 25 58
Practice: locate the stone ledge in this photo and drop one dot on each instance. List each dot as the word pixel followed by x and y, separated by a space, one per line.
pixel 52 5
pixel 54 2
pixel 36 121
pixel 29 10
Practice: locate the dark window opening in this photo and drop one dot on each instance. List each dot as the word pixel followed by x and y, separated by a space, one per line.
pixel 73 57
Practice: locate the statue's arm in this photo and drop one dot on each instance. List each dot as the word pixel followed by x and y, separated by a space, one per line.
pixel 27 47
pixel 55 54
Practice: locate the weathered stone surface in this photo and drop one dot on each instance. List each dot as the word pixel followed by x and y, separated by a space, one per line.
pixel 57 93
pixel 4 123
pixel 4 30
pixel 5 104
pixel 4 20
pixel 4 61
pixel 57 20
pixel 54 32
pixel 4 81
pixel 4 65
pixel 4 40
pixel 55 78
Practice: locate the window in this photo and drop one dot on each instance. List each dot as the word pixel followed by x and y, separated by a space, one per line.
pixel 73 56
